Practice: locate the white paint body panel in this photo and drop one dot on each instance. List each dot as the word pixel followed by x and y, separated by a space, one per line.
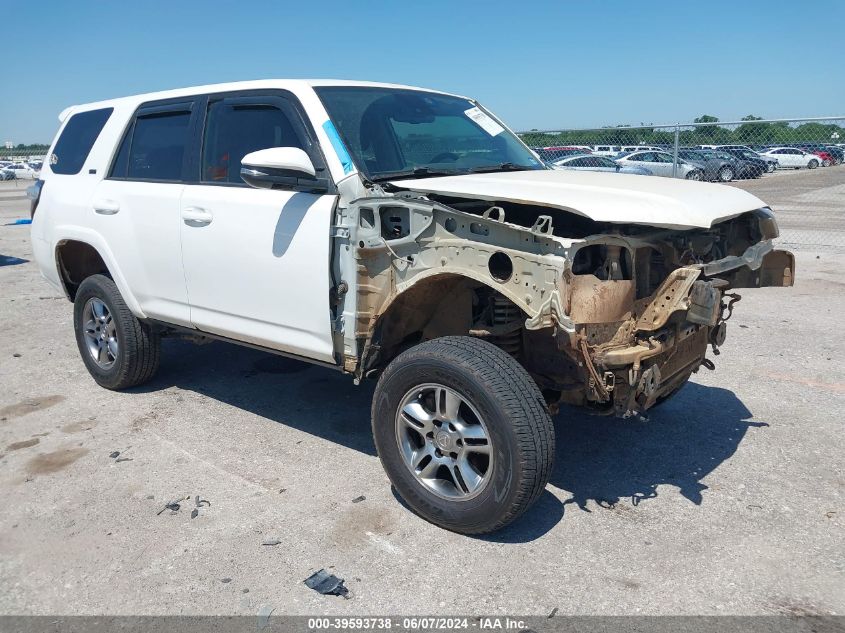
pixel 259 270
pixel 617 198
pixel 144 235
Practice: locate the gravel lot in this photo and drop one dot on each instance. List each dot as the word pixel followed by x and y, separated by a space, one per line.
pixel 728 501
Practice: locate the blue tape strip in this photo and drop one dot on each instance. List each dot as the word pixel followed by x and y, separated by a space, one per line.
pixel 339 147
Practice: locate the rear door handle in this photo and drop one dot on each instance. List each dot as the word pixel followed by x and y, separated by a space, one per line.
pixel 196 216
pixel 106 207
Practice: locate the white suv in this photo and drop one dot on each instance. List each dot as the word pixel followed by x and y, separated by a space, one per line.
pixel 401 234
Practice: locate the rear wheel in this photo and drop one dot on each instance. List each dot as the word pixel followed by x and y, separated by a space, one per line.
pixel 726 174
pixel 825 163
pixel 463 433
pixel 118 350
pixel 812 164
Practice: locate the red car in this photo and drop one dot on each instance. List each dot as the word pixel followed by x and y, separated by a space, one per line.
pixel 826 157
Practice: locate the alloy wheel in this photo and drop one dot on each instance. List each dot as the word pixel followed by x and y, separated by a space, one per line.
pixel 100 333
pixel 444 442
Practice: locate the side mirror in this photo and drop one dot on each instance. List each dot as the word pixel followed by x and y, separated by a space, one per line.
pixel 281 168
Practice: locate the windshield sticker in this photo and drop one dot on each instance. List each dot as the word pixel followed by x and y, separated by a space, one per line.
pixel 339 147
pixel 484 122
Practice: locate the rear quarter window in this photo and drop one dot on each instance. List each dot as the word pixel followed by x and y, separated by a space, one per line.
pixel 77 139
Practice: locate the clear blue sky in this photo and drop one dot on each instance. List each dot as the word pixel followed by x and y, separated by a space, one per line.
pixel 536 64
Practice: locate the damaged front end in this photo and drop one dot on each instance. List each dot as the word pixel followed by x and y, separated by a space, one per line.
pixel 607 316
pixel 642 310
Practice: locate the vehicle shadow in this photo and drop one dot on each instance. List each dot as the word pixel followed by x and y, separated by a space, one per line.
pixel 607 460
pixel 316 400
pixel 603 460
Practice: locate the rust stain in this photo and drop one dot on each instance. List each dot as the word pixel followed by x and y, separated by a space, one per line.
pixel 30 405
pixel 836 387
pixel 16 446
pixel 47 463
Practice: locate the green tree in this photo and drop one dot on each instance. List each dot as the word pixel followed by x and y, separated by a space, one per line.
pixel 707 132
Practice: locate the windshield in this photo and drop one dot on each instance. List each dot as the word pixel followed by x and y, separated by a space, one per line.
pixel 392 132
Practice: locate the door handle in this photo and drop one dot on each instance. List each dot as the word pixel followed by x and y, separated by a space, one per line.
pixel 196 216
pixel 106 207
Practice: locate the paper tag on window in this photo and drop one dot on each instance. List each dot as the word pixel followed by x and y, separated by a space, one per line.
pixel 485 122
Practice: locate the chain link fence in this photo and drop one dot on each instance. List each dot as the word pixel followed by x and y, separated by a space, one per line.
pixel 796 166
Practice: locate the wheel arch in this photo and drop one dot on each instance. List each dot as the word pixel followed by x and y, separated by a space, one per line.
pixel 434 306
pixel 80 256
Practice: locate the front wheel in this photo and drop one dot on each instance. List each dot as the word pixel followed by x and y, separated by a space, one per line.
pixel 695 174
pixel 770 168
pixel 463 433
pixel 726 174
pixel 813 164
pixel 825 163
pixel 118 350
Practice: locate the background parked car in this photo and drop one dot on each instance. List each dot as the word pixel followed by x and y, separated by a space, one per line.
pixel 6 174
pixel 794 158
pixel 759 164
pixel 660 164
pixel 22 171
pixel 746 168
pixel 747 153
pixel 715 166
pixel 551 154
pixel 589 162
pixel 627 149
pixel 606 150
pixel 837 152
pixel 828 156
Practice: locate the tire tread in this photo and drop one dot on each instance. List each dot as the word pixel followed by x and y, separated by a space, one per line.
pixel 141 345
pixel 523 405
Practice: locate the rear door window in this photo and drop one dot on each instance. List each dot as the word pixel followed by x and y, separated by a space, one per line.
pixel 77 139
pixel 155 145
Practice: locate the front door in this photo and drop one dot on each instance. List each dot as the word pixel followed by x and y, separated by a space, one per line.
pixel 256 261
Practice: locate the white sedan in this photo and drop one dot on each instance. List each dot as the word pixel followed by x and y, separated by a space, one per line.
pixel 22 171
pixel 590 162
pixel 793 158
pixel 660 164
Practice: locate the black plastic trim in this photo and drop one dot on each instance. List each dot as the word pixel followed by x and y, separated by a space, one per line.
pixel 197 332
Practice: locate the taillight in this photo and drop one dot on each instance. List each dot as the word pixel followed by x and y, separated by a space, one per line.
pixel 34 195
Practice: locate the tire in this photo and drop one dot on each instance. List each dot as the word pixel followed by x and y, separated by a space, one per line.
pixel 771 167
pixel 812 164
pixel 118 350
pixel 497 398
pixel 695 174
pixel 726 174
pixel 825 163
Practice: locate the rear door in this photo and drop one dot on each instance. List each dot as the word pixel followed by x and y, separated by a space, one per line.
pixel 256 261
pixel 137 207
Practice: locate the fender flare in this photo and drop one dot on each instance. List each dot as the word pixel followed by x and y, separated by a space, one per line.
pixel 65 233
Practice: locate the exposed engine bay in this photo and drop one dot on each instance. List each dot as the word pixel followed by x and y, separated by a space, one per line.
pixel 614 317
